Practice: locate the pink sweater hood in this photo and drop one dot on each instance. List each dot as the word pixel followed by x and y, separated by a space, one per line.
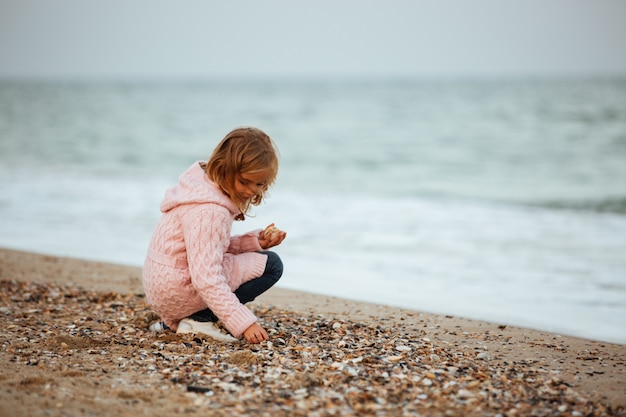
pixel 193 262
pixel 194 187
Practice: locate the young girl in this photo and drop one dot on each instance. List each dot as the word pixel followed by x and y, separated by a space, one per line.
pixel 195 272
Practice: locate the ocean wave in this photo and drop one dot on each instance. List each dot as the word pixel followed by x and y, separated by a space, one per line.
pixel 605 205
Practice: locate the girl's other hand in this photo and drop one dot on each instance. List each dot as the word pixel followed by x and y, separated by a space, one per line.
pixel 271 236
pixel 255 334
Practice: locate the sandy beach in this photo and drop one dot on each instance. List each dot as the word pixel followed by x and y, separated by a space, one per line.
pixel 75 342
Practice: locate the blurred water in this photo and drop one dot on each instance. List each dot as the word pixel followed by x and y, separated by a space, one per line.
pixel 503 201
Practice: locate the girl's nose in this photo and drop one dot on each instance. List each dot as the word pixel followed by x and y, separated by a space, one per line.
pixel 252 191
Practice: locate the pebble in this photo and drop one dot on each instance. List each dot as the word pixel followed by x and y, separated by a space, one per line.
pixel 313 365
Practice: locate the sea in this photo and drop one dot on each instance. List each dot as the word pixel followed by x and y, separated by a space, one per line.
pixel 501 200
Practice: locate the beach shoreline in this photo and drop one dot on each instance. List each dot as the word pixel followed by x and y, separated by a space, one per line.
pixel 593 369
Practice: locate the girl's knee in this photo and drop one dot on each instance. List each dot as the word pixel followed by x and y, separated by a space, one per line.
pixel 274 264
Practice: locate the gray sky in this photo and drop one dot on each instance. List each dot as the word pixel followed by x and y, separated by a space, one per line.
pixel 281 38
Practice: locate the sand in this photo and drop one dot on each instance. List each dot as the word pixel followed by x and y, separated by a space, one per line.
pixel 75 342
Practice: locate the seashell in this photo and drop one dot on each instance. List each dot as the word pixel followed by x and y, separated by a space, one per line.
pixel 483 356
pixel 312 365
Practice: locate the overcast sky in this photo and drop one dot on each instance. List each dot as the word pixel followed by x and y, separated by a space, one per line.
pixel 289 38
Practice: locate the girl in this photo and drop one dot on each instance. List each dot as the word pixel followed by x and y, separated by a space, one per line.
pixel 195 273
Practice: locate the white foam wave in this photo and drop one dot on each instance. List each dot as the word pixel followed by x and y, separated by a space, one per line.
pixel 561 271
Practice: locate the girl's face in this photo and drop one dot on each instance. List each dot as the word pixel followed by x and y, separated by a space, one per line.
pixel 247 185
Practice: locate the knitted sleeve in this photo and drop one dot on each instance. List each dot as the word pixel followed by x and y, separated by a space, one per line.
pixel 248 242
pixel 206 230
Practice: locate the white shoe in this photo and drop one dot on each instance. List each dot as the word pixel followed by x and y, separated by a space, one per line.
pixel 207 328
pixel 158 326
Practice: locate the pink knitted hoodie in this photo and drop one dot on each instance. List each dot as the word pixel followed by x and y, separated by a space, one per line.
pixel 193 262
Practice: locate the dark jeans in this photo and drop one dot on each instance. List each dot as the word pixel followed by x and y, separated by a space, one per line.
pixel 252 289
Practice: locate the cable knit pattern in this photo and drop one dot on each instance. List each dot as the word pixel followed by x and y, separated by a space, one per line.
pixel 193 262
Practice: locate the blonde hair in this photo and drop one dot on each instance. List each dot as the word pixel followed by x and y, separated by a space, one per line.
pixel 244 150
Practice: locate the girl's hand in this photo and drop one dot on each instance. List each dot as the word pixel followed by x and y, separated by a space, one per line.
pixel 255 334
pixel 271 236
